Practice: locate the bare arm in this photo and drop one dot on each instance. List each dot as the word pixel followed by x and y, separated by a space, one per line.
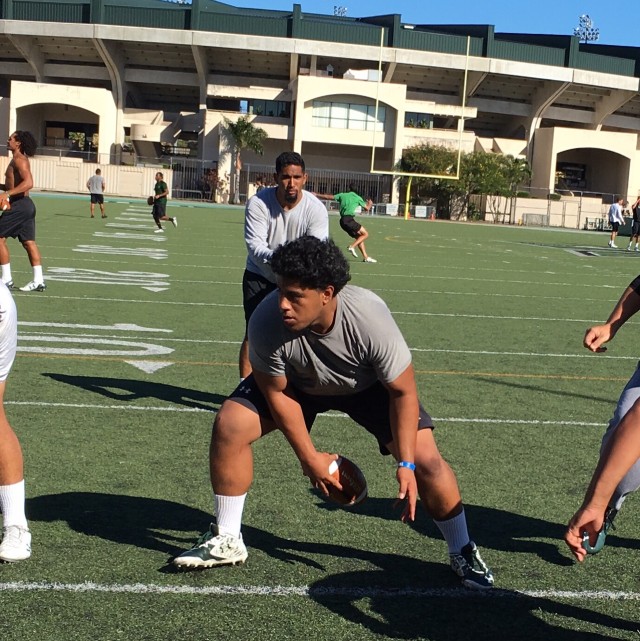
pixel 287 415
pixel 621 452
pixel 322 196
pixel 403 416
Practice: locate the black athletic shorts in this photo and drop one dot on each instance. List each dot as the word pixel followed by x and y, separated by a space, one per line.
pixel 255 288
pixel 369 408
pixel 615 226
pixel 635 228
pixel 19 221
pixel 97 199
pixel 350 225
pixel 159 209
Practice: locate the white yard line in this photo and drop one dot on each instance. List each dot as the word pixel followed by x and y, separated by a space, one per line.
pixel 331 415
pixel 426 350
pixel 310 591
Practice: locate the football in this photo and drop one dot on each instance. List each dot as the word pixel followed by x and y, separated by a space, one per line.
pixel 6 205
pixel 354 484
pixel 150 200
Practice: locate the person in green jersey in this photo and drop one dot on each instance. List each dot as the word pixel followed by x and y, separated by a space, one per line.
pixel 352 203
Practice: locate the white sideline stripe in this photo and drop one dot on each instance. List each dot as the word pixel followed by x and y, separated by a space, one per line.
pixel 306 591
pixel 156 408
pixel 212 341
pixel 153 302
pixel 96 406
pixel 493 317
pixel 399 313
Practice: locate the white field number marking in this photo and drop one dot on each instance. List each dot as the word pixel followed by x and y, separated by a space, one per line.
pixel 49 343
pixel 155 254
pixel 98 277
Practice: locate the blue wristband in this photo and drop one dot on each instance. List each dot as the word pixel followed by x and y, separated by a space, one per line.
pixel 411 466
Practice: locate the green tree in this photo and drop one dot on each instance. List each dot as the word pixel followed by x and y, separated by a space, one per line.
pixel 492 175
pixel 438 161
pixel 242 134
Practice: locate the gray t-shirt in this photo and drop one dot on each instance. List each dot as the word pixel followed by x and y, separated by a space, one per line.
pixel 95 184
pixel 267 226
pixel 363 346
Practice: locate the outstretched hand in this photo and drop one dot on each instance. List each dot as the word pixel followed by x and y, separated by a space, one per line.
pixel 596 336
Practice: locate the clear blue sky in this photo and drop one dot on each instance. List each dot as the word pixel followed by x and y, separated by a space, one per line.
pixel 616 19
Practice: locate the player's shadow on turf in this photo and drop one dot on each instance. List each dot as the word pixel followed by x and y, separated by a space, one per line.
pixel 610 402
pixel 127 520
pixel 123 389
pixel 413 611
pixel 493 528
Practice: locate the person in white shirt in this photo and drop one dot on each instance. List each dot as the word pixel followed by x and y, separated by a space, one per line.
pixel 616 219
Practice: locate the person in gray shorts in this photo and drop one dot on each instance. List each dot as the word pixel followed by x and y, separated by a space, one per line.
pixel 319 344
pixel 618 471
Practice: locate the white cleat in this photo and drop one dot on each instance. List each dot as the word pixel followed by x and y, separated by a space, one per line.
pixel 33 287
pixel 16 544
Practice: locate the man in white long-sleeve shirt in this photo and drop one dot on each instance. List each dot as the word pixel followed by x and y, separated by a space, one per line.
pixel 616 219
pixel 274 216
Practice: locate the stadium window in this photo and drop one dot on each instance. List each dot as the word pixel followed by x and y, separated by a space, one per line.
pixel 271 108
pixel 418 120
pixel 342 115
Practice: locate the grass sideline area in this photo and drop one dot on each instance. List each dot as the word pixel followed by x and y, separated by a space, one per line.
pixel 125 358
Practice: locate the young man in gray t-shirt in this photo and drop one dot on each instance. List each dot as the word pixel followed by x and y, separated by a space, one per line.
pixel 318 344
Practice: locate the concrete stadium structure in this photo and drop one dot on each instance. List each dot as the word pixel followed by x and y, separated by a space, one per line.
pixel 151 73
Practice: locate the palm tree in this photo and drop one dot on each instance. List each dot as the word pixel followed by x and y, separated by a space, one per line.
pixel 242 134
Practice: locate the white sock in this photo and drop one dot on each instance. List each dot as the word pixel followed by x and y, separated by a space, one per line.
pixel 6 273
pixel 229 513
pixel 12 504
pixel 37 274
pixel 454 532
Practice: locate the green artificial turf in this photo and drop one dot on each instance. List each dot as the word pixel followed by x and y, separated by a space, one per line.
pixel 116 451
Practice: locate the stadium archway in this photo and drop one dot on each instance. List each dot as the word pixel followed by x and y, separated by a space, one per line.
pixel 592 171
pixel 51 113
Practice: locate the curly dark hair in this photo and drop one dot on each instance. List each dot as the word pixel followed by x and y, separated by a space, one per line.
pixel 28 144
pixel 312 263
pixel 287 158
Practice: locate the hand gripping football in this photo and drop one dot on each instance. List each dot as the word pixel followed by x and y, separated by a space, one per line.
pixel 6 205
pixel 150 200
pixel 354 484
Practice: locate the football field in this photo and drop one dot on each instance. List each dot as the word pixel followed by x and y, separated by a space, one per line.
pixel 125 358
